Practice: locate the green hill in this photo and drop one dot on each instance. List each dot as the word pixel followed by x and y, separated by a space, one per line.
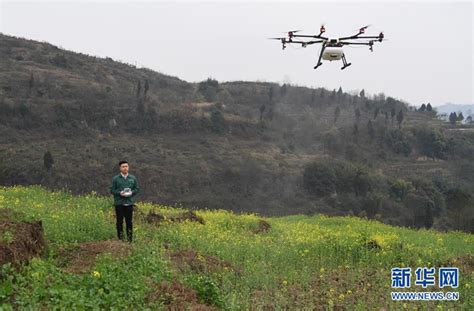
pixel 216 259
pixel 243 146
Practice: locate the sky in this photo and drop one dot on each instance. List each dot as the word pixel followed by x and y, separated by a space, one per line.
pixel 428 56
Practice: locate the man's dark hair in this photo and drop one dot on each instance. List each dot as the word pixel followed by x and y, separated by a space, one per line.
pixel 122 162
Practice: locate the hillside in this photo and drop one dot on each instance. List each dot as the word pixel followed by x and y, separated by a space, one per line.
pixel 243 146
pixel 213 260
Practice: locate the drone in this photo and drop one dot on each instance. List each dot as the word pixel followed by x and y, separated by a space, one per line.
pixel 331 48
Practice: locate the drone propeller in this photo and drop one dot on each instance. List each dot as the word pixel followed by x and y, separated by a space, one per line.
pixel 283 41
pixel 291 33
pixel 362 30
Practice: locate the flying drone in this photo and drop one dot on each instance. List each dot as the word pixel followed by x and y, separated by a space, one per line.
pixel 331 49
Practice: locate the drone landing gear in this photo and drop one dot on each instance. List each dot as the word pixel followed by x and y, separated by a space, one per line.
pixel 345 62
pixel 318 65
pixel 320 55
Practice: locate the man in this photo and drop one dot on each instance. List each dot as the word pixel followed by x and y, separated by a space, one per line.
pixel 124 188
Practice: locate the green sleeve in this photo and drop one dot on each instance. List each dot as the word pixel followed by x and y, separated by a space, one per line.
pixel 113 188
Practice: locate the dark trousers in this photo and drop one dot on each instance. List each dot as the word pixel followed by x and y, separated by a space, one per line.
pixel 121 212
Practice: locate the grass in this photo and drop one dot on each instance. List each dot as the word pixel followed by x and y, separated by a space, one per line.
pixel 301 262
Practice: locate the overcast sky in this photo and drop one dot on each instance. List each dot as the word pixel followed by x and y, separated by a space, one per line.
pixel 428 58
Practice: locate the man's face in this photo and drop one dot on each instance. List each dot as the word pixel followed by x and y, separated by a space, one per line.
pixel 124 168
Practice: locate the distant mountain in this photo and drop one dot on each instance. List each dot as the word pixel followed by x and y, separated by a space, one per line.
pixel 67 119
pixel 446 109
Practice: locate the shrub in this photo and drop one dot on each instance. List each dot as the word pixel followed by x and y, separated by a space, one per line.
pixel 400 188
pixel 209 89
pixel 319 179
pixel 398 142
pixel 431 142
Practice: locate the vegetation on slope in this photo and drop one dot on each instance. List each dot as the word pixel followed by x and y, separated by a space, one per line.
pixel 67 119
pixel 225 261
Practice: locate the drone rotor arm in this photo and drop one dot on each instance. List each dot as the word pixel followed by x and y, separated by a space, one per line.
pixel 310 36
pixel 314 42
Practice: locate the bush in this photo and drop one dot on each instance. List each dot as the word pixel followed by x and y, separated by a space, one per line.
pixel 218 121
pixel 431 142
pixel 400 188
pixel 319 179
pixel 422 209
pixel 398 142
pixel 209 89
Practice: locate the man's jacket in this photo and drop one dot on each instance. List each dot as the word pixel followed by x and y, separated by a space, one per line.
pixel 119 183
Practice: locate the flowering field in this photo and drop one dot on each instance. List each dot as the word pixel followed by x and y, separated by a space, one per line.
pixel 227 261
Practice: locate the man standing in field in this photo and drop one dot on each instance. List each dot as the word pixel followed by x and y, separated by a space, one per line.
pixel 124 188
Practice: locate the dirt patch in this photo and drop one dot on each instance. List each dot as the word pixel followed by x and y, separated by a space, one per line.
pixel 372 245
pixel 190 259
pixel 19 240
pixel 176 296
pixel 263 226
pixel 154 218
pixel 82 258
pixel 464 263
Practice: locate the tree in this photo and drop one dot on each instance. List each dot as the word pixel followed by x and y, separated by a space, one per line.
pixel 362 182
pixel 431 142
pixel 453 118
pixel 422 209
pixel 376 112
pixel 370 130
pixel 319 179
pixel 218 121
pixel 139 88
pixel 262 110
pixel 372 204
pixel 337 113
pixel 400 118
pixel 48 160
pixel 31 82
pixel 356 129
pixel 151 117
pixel 322 93
pixel 392 114
pixel 270 113
pixel 357 114
pixel 362 93
pixel 147 86
pixel 209 89
pixel 460 117
pixel 333 96
pixel 429 108
pixel 140 108
pixel 270 94
pixel 423 107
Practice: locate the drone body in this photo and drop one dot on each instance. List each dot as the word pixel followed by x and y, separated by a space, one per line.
pixel 331 49
pixel 332 53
